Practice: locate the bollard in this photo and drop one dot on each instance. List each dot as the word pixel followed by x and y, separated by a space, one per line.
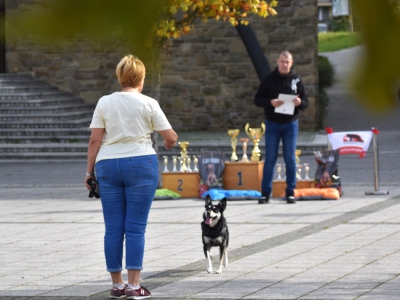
pixel 376 191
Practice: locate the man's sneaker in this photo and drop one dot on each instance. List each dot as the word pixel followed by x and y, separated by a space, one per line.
pixel 264 199
pixel 290 197
pixel 140 293
pixel 116 293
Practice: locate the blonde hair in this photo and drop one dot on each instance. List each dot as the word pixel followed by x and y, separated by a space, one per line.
pixel 130 71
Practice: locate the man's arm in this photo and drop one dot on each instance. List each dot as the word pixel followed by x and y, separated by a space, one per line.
pixel 302 95
pixel 260 98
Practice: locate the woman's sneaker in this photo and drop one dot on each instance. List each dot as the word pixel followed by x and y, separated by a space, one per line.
pixel 116 293
pixel 140 293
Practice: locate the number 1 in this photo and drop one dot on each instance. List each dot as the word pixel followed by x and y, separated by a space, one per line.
pixel 239 174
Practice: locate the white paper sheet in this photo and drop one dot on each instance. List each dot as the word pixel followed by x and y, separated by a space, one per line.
pixel 287 107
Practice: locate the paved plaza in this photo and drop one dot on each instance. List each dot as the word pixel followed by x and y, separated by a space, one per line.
pixel 52 248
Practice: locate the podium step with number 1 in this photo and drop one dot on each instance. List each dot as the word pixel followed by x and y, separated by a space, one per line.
pixel 243 175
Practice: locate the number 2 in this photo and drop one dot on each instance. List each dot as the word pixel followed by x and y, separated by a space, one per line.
pixel 180 183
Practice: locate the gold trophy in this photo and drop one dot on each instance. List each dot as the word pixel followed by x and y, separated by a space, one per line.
pixel 184 153
pixel 297 154
pixel 233 133
pixel 255 135
pixel 244 141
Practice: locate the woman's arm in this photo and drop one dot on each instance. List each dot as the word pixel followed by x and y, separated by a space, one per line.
pixel 94 144
pixel 170 138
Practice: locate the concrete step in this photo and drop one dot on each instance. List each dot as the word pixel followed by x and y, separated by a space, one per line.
pixel 19 76
pixel 13 89
pixel 38 102
pixel 22 82
pixel 43 148
pixel 43 156
pixel 40 117
pixel 48 109
pixel 34 95
pixel 50 123
pixel 43 132
pixel 53 138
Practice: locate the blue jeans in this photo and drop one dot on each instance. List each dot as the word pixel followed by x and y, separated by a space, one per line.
pixel 127 187
pixel 273 134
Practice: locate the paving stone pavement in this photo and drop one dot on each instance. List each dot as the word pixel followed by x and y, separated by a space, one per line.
pixel 51 248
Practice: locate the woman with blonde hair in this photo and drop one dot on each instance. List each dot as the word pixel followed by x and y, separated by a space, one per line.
pixel 122 159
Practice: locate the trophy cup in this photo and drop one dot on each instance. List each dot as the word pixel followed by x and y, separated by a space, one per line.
pixel 306 169
pixel 284 171
pixel 174 163
pixel 244 141
pixel 165 164
pixel 233 134
pixel 188 161
pixel 195 162
pixel 297 154
pixel 279 170
pixel 184 153
pixel 298 173
pixel 255 135
pixel 180 163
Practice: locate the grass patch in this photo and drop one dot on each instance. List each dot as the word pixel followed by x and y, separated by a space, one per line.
pixel 334 41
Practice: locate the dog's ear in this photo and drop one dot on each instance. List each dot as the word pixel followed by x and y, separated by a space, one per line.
pixel 208 200
pixel 222 204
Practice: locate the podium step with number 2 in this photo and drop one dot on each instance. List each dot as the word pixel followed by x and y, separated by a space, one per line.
pixel 185 184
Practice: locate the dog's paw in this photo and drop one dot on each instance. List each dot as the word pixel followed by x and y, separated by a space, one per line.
pixel 219 271
pixel 209 270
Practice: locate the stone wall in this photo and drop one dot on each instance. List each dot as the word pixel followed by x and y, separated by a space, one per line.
pixel 208 82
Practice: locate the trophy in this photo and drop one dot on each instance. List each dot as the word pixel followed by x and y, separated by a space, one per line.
pixel 244 141
pixel 233 134
pixel 306 169
pixel 297 154
pixel 195 162
pixel 174 163
pixel 255 135
pixel 184 153
pixel 284 171
pixel 180 164
pixel 298 173
pixel 188 161
pixel 279 170
pixel 165 164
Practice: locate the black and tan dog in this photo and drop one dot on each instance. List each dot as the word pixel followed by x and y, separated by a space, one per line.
pixel 215 232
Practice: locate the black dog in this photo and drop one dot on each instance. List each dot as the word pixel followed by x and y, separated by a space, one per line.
pixel 215 232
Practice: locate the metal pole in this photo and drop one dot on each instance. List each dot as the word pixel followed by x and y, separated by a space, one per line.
pixel 376 163
pixel 376 169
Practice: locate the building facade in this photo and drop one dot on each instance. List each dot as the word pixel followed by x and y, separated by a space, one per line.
pixel 208 80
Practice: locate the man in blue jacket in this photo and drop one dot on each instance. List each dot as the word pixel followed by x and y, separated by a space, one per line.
pixel 280 125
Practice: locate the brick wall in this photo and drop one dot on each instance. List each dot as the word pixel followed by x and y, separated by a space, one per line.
pixel 208 82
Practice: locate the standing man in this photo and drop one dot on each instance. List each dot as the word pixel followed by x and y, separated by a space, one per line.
pixel 280 125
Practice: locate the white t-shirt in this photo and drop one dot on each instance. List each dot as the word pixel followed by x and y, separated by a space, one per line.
pixel 129 118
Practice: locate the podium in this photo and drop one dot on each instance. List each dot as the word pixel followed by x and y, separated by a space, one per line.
pixel 243 175
pixel 279 186
pixel 184 183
